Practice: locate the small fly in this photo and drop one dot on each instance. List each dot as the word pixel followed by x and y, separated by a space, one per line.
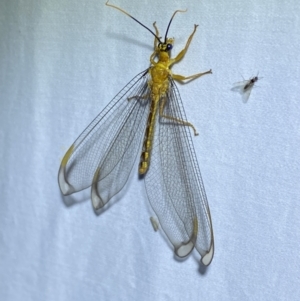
pixel 147 117
pixel 245 87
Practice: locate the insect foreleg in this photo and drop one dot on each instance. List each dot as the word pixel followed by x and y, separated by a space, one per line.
pixel 157 34
pixel 153 55
pixel 182 53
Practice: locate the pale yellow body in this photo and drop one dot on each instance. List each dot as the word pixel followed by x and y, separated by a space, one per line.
pixel 160 73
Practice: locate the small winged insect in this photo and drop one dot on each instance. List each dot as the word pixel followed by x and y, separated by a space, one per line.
pixel 245 87
pixel 147 117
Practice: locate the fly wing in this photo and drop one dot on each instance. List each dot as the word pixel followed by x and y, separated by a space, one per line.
pixel 244 88
pixel 104 154
pixel 174 184
pixel 239 86
pixel 246 94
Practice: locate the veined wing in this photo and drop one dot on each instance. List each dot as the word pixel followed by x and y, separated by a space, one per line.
pixel 174 184
pixel 104 154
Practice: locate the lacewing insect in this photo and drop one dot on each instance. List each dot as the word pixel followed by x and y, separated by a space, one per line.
pixel 245 87
pixel 147 117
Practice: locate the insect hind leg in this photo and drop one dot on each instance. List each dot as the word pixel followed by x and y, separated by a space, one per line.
pixel 180 121
pixel 138 97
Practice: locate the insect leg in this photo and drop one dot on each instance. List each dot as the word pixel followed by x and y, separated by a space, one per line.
pixel 157 34
pixel 191 77
pixel 156 50
pixel 186 123
pixel 138 97
pixel 182 53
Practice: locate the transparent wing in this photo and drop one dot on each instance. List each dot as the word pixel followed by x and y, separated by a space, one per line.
pixel 174 184
pixel 246 94
pixel 104 154
pixel 240 88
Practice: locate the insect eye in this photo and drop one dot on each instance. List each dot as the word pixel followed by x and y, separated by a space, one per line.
pixel 165 47
pixel 169 47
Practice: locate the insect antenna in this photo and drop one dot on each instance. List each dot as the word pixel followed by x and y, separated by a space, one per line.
pixel 136 20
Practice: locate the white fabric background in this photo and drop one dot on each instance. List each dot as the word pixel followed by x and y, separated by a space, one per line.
pixel 61 62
